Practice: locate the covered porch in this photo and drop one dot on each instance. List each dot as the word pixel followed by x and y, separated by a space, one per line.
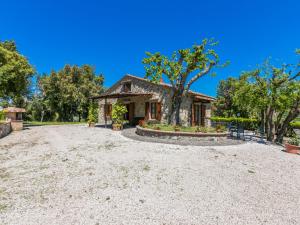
pixel 201 112
pixel 137 105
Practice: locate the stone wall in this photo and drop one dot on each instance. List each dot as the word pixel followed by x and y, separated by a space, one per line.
pixel 17 125
pixel 207 114
pixel 5 129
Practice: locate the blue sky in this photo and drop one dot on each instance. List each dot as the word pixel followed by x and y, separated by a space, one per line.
pixel 114 35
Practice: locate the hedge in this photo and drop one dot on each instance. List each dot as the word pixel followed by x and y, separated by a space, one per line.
pixel 247 122
pixel 234 119
pixel 295 125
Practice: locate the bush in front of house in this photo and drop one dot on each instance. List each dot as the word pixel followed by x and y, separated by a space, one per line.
pixel 117 114
pixel 92 114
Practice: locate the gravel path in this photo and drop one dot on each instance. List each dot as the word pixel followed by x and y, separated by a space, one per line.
pixel 78 175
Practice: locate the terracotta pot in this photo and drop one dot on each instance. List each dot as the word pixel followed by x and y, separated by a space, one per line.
pixel 92 124
pixel 117 127
pixel 292 148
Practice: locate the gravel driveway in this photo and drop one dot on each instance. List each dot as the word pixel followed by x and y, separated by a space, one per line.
pixel 79 175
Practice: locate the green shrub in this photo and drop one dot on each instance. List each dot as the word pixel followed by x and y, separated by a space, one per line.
pixel 295 125
pixel 201 129
pixel 92 114
pixel 117 114
pixel 220 128
pixel 1 115
pixel 294 141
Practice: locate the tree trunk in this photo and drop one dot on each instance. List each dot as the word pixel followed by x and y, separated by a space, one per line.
pixel 278 123
pixel 271 126
pixel 293 114
pixel 266 122
pixel 174 116
pixel 42 115
pixel 262 121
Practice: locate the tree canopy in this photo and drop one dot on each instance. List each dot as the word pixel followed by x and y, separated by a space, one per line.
pixel 15 74
pixel 269 93
pixel 182 69
pixel 65 95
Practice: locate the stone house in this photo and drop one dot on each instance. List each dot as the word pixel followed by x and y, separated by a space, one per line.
pixel 14 116
pixel 150 101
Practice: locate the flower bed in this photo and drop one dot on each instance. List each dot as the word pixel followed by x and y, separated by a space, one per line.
pixel 188 132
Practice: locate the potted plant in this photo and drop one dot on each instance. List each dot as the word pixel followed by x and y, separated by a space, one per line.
pixel 117 115
pixel 92 115
pixel 293 145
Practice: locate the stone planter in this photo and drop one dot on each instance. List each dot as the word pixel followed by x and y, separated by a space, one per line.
pixel 92 124
pixel 293 149
pixel 117 127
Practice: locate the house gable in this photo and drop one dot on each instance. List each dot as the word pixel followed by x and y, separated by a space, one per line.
pixel 143 86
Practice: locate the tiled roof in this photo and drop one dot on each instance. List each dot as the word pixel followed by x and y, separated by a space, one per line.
pixel 170 86
pixel 14 109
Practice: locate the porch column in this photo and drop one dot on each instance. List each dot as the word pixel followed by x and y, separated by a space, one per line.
pixel 207 114
pixel 105 108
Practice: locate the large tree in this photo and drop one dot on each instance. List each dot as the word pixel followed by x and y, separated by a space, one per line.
pixel 272 94
pixel 15 74
pixel 225 104
pixel 182 69
pixel 66 93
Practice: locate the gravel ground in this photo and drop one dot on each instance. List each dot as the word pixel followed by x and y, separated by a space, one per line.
pixel 79 175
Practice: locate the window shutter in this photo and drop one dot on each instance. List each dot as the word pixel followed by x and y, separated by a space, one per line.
pixel 146 110
pixel 158 111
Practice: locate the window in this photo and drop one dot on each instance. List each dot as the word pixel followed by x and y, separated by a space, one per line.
pixel 126 87
pixel 153 110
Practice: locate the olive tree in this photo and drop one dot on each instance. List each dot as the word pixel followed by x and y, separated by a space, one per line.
pixel 182 69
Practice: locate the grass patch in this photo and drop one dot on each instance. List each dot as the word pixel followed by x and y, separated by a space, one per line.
pixel 38 123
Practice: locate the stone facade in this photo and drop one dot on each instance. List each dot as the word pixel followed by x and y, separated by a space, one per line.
pixel 159 93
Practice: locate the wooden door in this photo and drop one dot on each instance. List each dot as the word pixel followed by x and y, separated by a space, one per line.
pixel 147 108
pixel 131 112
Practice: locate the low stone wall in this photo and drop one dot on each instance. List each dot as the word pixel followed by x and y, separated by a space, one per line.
pixel 158 133
pixel 17 125
pixel 5 129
